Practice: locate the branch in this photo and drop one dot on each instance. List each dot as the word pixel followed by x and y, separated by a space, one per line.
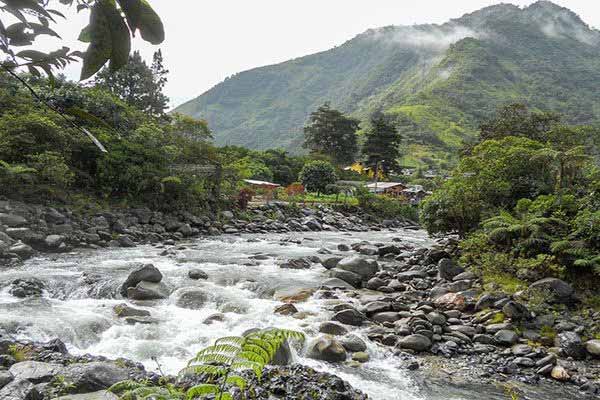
pixel 56 110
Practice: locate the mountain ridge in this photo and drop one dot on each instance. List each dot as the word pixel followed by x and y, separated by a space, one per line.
pixel 439 80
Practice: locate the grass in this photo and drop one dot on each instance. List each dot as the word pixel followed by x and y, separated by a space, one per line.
pixel 326 199
pixel 507 282
pixel 548 332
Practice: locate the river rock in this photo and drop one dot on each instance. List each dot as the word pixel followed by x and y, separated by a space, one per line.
pixel 559 373
pixel 192 298
pixel 366 269
pixel 360 356
pixel 387 316
pixel 20 389
pixel 331 328
pixel 353 279
pixel 451 301
pixel 286 309
pixel 350 317
pixel 5 378
pixel 375 283
pixel 570 344
pixel 447 270
pixel 416 342
pixel 326 348
pixel 27 287
pixel 330 262
pixel 593 347
pixel 515 311
pixel 54 242
pixel 298 263
pixel 124 310
pixel 197 274
pixel 35 371
pixel 293 295
pixel 336 283
pixel 94 376
pixel 353 343
pixel 12 220
pixel 560 290
pixel 506 337
pixel 148 291
pixel 146 272
pixel 217 317
pixel 21 249
pixel 99 395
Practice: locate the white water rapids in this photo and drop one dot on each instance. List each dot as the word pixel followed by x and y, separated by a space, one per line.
pixel 77 306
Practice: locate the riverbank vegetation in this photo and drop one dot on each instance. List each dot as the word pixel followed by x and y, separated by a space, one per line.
pixel 525 200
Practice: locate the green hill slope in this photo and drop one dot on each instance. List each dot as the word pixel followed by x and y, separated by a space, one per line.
pixel 439 80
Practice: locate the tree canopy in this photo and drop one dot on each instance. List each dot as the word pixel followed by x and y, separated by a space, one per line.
pixel 382 145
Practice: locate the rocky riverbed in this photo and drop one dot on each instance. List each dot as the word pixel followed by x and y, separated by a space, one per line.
pixel 385 309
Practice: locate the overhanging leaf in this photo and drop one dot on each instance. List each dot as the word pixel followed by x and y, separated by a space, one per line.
pixel 140 15
pixel 100 48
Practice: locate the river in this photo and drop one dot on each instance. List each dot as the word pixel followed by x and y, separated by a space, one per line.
pixel 81 290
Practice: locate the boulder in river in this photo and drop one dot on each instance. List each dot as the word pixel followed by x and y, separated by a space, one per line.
pixel 99 395
pixel 365 268
pixel 148 291
pixel 192 298
pixel 447 269
pixel 570 344
pixel 197 274
pixel 35 371
pixel 415 342
pixel 326 348
pixel 331 328
pixel 146 272
pixel 593 347
pixel 353 343
pixel 124 310
pixel 350 277
pixel 350 316
pixel 559 290
pixel 19 389
pixel 94 376
pixel 28 287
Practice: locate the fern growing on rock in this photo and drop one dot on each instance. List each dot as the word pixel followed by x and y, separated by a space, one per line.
pixel 221 363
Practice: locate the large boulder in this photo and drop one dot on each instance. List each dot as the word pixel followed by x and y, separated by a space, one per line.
pixel 35 371
pixel 331 328
pixel 353 279
pixel 506 337
pixel 415 342
pixel 448 270
pixel 148 291
pixel 559 290
pixel 330 262
pixel 146 272
pixel 570 344
pixel 353 343
pixel 99 395
pixel 124 310
pixel 21 249
pixel 365 268
pixel 20 389
pixel 26 287
pixel 5 378
pixel 451 301
pixel 326 348
pixel 192 298
pixel 350 316
pixel 515 311
pixel 593 347
pixel 12 220
pixel 94 376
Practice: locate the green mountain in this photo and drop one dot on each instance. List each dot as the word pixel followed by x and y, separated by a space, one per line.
pixel 440 81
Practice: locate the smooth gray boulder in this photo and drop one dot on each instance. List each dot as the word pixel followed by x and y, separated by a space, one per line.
pixel 415 342
pixel 94 376
pixel 350 277
pixel 448 270
pixel 148 291
pixel 35 371
pixel 560 290
pixel 19 389
pixel 350 316
pixel 192 298
pixel 326 348
pixel 99 395
pixel 365 268
pixel 146 272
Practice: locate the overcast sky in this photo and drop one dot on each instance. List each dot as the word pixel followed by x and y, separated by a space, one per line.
pixel 210 40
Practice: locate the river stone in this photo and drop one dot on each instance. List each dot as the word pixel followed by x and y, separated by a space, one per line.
pixel 447 270
pixel 20 389
pixel 593 347
pixel 436 318
pixel 570 344
pixel 336 283
pixel 191 298
pixel 369 250
pixel 353 343
pixel 387 316
pixel 94 376
pixel 415 342
pixel 515 311
pixel 21 249
pixel 197 274
pixel 35 371
pixel 330 262
pixel 520 350
pixel 146 272
pixel 298 263
pixel 350 317
pixel 99 395
pixel 343 247
pixel 27 287
pixel 326 348
pixel 360 266
pixel 217 317
pixel 360 356
pixel 124 310
pixel 148 291
pixel 12 220
pixel 506 337
pixel 560 373
pixel 376 307
pixel 286 309
pixel 451 301
pixel 293 295
pixel 54 242
pixel 560 290
pixel 331 328
pixel 375 283
pixel 351 278
pixel 5 378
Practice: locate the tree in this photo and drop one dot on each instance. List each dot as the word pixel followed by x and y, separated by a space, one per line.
pixel 330 132
pixel 382 146
pixel 516 120
pixel 190 128
pixel 112 24
pixel 138 84
pixel 316 175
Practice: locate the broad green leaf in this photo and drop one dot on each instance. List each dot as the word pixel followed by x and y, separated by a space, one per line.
pixel 140 15
pixel 85 35
pixel 202 390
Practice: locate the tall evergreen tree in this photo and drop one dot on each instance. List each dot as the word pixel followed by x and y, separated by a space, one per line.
pixel 382 146
pixel 330 132
pixel 138 84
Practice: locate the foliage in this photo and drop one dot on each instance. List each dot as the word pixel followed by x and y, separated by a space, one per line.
pixel 330 132
pixel 190 128
pixel 384 206
pixel 382 143
pixel 244 197
pixel 138 84
pixel 219 364
pixel 316 175
pixel 52 168
pixel 112 23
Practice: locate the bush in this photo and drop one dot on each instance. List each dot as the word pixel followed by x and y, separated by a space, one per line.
pixel 52 169
pixel 316 175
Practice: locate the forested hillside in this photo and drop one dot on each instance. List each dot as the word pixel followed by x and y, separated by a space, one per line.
pixel 440 81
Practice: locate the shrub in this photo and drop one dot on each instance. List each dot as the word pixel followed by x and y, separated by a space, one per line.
pixel 244 197
pixel 52 169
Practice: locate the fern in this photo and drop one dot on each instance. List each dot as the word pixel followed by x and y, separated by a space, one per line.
pixel 220 361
